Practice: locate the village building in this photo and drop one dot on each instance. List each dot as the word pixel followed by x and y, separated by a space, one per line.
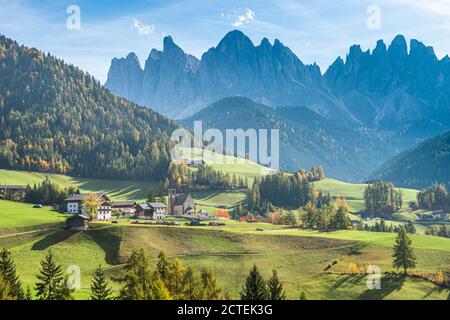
pixel 124 207
pixel 151 211
pixel 13 192
pixel 75 205
pixel 78 222
pixel 180 204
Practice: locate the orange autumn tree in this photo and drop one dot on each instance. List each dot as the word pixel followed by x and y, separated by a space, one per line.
pixel 223 214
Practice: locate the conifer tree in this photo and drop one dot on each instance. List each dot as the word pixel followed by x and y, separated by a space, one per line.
pixel 50 283
pixel 275 287
pixel 255 286
pixel 404 257
pixel 5 290
pixel 100 289
pixel 211 290
pixel 8 271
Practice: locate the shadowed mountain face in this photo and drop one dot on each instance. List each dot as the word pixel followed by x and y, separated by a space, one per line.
pixel 306 138
pixel 420 167
pixel 382 88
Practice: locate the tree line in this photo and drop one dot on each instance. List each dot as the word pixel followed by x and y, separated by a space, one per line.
pixel 184 179
pixel 287 191
pixel 381 198
pixel 435 197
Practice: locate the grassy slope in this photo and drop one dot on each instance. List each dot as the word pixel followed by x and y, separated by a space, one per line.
pixel 19 215
pixel 118 190
pixel 354 192
pixel 300 256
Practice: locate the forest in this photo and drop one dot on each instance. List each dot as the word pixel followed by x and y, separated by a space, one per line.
pixel 56 118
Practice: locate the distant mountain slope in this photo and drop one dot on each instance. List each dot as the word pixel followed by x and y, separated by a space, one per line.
pixel 420 167
pixel 382 88
pixel 306 138
pixel 56 118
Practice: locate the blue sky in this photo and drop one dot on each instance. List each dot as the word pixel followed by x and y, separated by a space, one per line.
pixel 316 30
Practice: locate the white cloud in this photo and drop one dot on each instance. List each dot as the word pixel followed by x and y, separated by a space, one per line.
pixel 439 7
pixel 247 17
pixel 143 29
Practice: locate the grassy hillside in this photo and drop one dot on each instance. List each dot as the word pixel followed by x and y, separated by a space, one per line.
pixel 22 215
pixel 300 256
pixel 354 193
pixel 228 164
pixel 117 189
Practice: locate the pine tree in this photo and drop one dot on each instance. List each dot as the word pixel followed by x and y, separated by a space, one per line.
pixel 255 286
pixel 275 287
pixel 137 281
pixel 28 294
pixel 100 289
pixel 50 284
pixel 8 271
pixel 5 290
pixel 192 289
pixel 211 291
pixel 404 257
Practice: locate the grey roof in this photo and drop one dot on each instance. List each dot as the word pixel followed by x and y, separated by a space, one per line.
pixel 123 203
pixel 81 197
pixel 156 205
pixel 180 199
pixel 144 206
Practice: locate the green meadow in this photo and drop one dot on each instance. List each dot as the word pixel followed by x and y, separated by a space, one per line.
pixel 301 257
pixel 116 189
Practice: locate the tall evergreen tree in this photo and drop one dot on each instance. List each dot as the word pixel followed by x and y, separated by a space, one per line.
pixel 5 290
pixel 404 257
pixel 50 283
pixel 275 287
pixel 255 286
pixel 8 271
pixel 211 290
pixel 100 289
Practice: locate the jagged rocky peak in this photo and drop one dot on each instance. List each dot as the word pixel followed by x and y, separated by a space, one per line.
pixel 364 87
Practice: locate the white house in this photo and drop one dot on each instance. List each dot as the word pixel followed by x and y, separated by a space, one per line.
pixel 151 210
pixel 75 205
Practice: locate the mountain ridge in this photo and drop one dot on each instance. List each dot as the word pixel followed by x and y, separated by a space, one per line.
pixel 377 88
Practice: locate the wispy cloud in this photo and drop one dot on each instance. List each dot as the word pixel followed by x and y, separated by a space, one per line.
pixel 143 29
pixel 247 17
pixel 439 7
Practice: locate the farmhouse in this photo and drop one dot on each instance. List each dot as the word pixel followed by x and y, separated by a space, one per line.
pixel 75 205
pixel 13 192
pixel 125 207
pixel 78 222
pixel 151 210
pixel 180 204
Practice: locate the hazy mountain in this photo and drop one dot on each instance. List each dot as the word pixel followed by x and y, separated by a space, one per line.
pixel 306 138
pixel 382 88
pixel 420 167
pixel 56 118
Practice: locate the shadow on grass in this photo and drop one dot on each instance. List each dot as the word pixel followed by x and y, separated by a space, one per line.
pixel 390 282
pixel 348 280
pixel 53 239
pixel 109 240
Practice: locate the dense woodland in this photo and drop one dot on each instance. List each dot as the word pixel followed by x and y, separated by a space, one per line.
pixel 184 179
pixel 381 198
pixel 56 118
pixel 435 197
